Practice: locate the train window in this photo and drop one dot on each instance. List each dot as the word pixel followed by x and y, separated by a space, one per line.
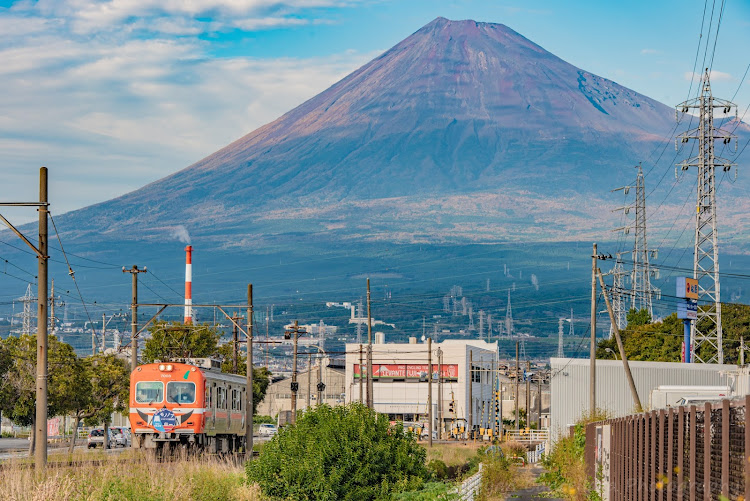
pixel 207 402
pixel 179 392
pixel 221 398
pixel 149 392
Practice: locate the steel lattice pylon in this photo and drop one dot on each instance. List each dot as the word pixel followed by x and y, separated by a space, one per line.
pixel 560 352
pixel 641 278
pixel 706 251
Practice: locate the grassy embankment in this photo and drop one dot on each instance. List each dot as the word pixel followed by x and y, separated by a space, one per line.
pixel 128 477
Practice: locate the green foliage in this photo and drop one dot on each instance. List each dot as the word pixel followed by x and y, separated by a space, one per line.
pixel 178 340
pixel 264 420
pixel 638 317
pixel 109 380
pixel 18 383
pixel 431 491
pixel 332 453
pixel 438 469
pixel 662 341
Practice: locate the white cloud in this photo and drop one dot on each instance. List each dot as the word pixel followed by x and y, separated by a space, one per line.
pixel 650 51
pixel 114 110
pixel 714 76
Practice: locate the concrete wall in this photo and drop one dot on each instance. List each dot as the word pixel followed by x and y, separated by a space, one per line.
pixel 570 385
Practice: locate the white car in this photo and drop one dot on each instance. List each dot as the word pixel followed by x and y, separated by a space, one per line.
pixel 267 430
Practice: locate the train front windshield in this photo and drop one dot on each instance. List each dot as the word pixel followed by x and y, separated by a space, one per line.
pixel 149 392
pixel 180 393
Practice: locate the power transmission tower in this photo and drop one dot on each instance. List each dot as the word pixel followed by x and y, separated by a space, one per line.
pixel 560 353
pixel 27 301
pixel 471 317
pixel 481 323
pixel 641 293
pixel 570 334
pixel 509 318
pixel 706 250
pixel 641 281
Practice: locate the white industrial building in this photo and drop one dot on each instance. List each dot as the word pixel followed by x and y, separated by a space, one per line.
pixel 400 382
pixel 569 383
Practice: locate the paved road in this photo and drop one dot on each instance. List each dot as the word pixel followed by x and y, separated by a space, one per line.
pixel 13 444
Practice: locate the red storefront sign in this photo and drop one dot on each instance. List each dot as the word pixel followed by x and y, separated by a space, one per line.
pixel 410 371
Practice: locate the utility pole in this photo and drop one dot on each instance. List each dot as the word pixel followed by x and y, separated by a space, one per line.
pixel 370 402
pixel 539 403
pixel 618 293
pixel 321 385
pixel 134 271
pixel 309 379
pixel 440 393
pixel 104 332
pixel 528 393
pixel 267 343
pixel 592 351
pixel 296 331
pixel 742 350
pixel 40 425
pixel 40 454
pixel 249 377
pixel 361 377
pixel 470 422
pixel 623 356
pixel 235 341
pixel 430 425
pixel 518 368
pixel 706 249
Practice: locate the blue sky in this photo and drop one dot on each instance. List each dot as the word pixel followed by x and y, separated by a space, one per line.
pixel 114 94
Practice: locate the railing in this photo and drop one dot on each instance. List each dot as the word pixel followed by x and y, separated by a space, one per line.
pixel 536 455
pixel 469 488
pixel 527 436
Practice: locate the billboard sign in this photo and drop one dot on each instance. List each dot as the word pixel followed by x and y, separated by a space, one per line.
pixel 687 310
pixel 449 372
pixel 687 288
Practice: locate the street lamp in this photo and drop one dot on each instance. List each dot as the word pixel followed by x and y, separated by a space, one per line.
pixel 609 350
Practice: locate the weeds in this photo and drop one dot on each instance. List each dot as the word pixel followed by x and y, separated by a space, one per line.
pixel 142 479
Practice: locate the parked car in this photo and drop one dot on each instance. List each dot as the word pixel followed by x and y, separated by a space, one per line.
pixel 125 432
pixel 267 430
pixel 96 438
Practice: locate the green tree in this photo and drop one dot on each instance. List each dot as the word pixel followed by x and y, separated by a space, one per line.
pixel 261 375
pixel 638 317
pixel 105 388
pixel 19 382
pixel 179 340
pixel 339 453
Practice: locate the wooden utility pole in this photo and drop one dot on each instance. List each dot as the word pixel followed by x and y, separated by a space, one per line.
pixel 518 368
pixel 268 344
pixel 440 393
pixel 742 350
pixel 470 414
pixel 134 271
pixel 370 402
pixel 40 456
pixel 623 356
pixel 361 377
pixel 539 403
pixel 528 394
pixel 104 332
pixel 249 377
pixel 309 378
pixel 40 416
pixel 430 417
pixel 592 351
pixel 321 385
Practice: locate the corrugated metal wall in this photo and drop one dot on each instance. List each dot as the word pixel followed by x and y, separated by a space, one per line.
pixel 570 385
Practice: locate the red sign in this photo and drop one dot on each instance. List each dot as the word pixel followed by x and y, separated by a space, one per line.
pixel 410 371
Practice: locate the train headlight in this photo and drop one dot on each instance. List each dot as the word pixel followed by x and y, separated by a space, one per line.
pixel 169 367
pixel 162 367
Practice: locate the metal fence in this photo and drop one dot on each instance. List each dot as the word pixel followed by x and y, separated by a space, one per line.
pixel 695 453
pixel 526 435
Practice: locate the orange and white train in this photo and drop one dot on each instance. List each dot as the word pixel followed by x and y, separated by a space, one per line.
pixel 189 403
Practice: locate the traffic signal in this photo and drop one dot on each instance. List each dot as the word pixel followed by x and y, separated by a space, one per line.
pixel 451 407
pixel 321 386
pixel 295 387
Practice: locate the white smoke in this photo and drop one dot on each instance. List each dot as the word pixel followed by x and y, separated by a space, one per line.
pixel 180 233
pixel 535 281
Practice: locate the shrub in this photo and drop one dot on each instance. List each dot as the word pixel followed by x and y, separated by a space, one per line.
pixel 438 469
pixel 332 453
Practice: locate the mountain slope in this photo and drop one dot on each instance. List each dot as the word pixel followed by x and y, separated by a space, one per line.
pixel 456 111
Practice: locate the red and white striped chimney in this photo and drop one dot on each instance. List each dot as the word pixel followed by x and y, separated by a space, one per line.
pixel 189 284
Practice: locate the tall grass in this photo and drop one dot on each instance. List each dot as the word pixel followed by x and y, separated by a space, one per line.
pixel 141 478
